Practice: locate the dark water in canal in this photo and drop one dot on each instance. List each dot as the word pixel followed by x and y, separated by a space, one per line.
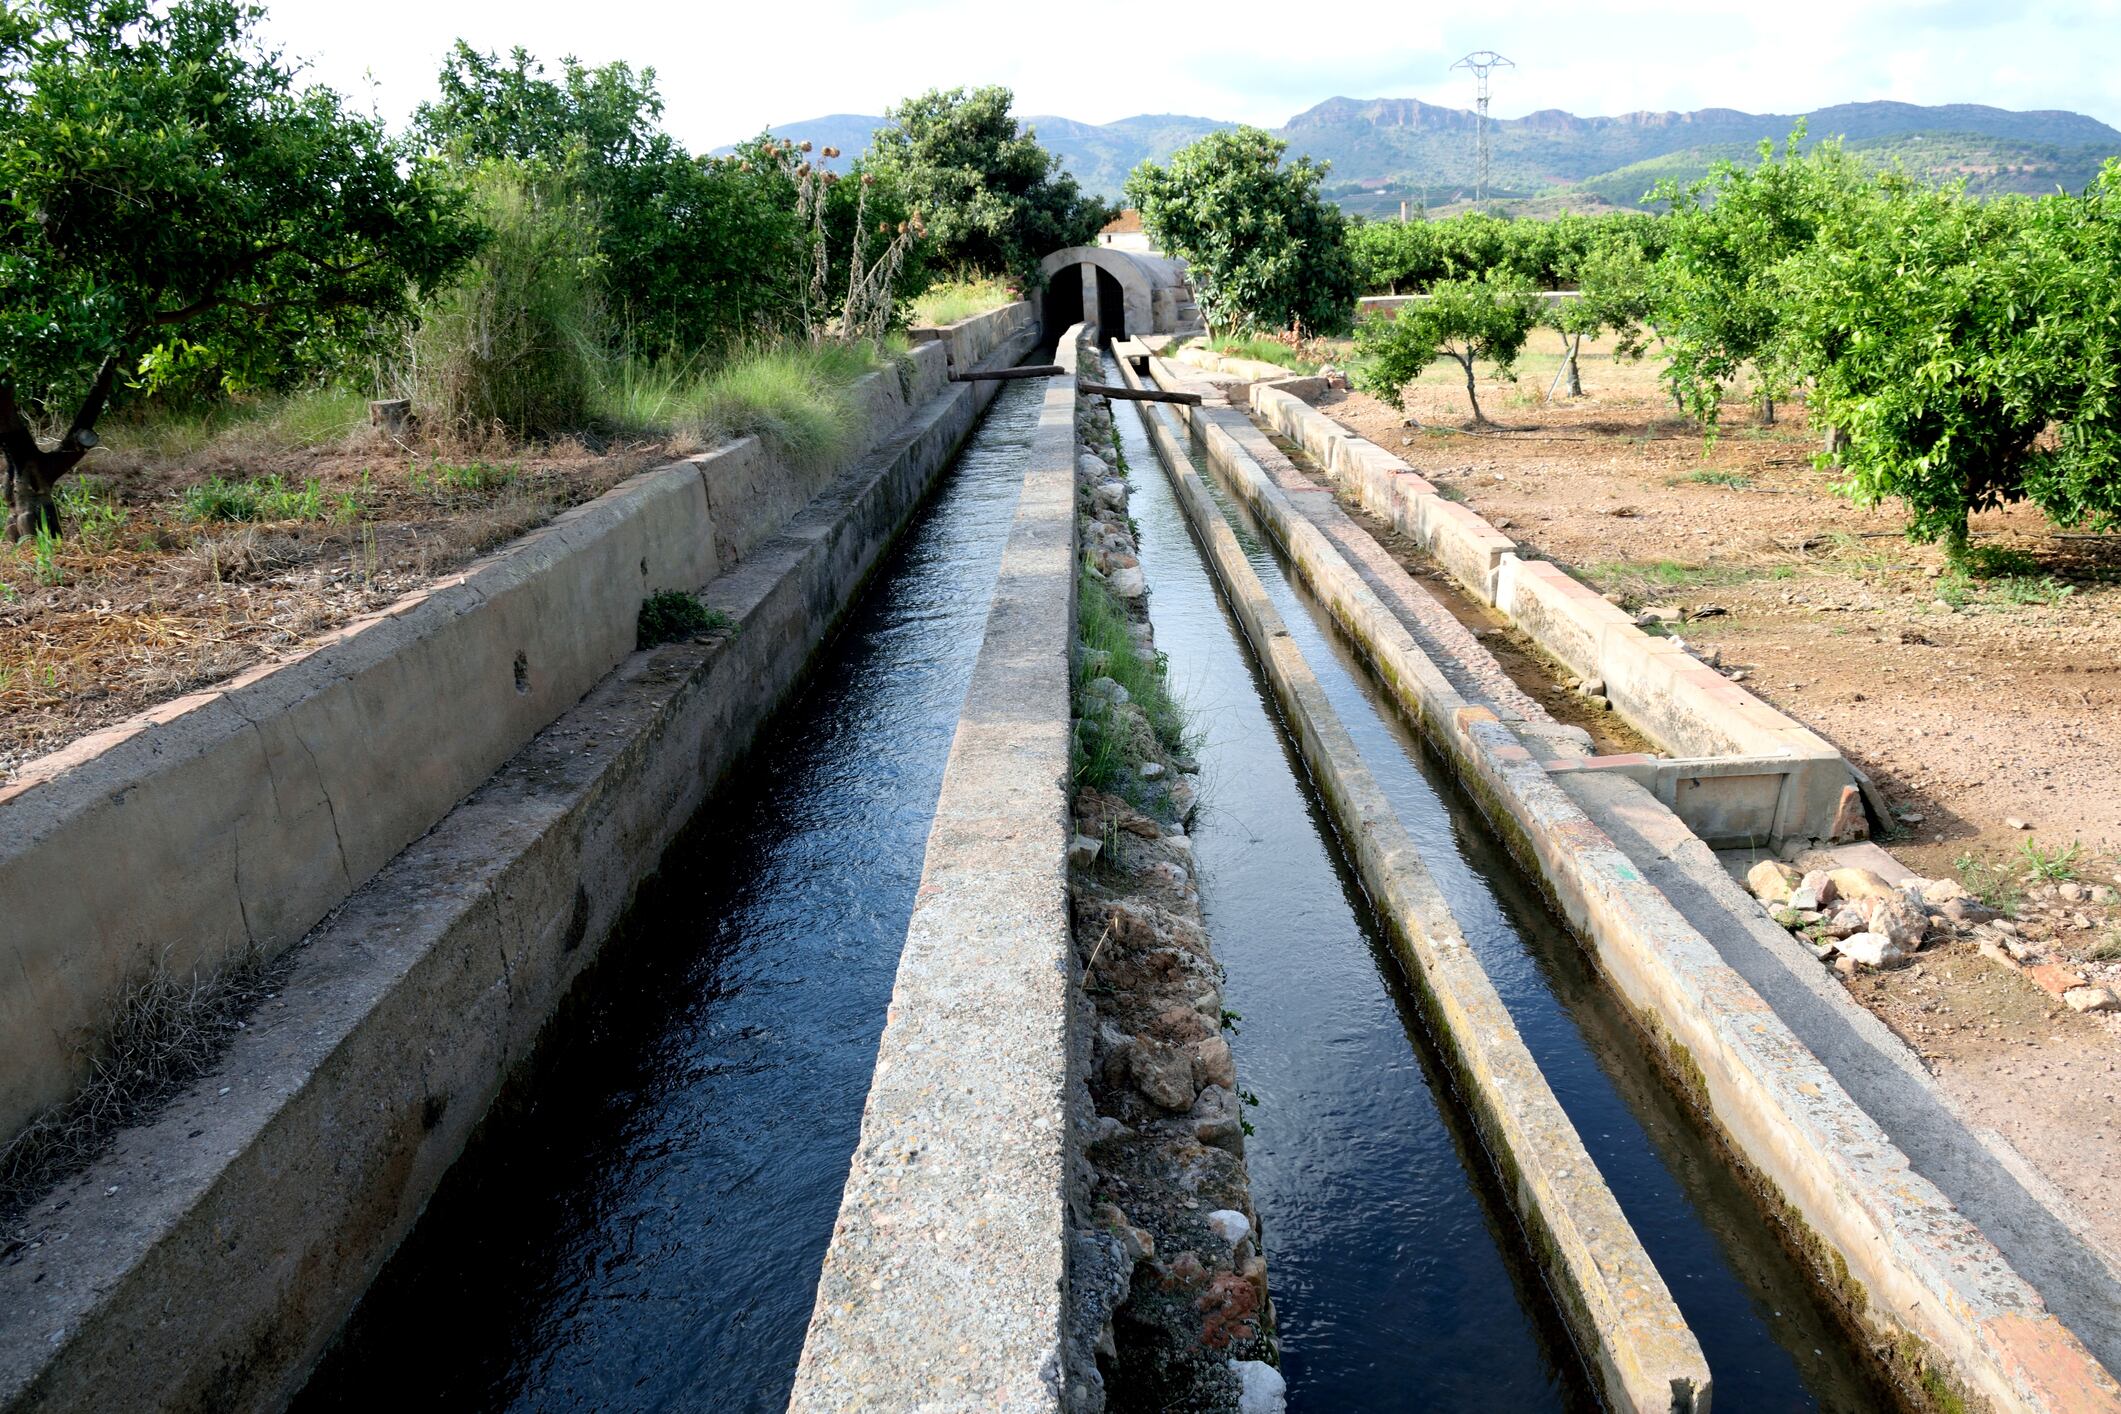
pixel 1399 1275
pixel 640 1223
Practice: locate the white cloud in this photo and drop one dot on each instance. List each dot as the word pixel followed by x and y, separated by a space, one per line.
pixel 727 70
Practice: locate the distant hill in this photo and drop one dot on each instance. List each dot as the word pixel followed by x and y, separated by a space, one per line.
pixel 1388 150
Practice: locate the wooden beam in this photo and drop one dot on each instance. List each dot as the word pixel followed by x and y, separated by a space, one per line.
pixel 988 375
pixel 1138 395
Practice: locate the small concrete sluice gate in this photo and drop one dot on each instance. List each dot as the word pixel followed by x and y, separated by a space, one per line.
pixel 1090 932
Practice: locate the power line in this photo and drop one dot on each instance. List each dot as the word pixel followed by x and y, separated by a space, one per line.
pixel 1480 61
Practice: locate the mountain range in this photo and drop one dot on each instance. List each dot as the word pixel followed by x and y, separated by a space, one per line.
pixel 1386 151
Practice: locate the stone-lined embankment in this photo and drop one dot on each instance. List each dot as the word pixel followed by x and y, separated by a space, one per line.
pixel 1170 1269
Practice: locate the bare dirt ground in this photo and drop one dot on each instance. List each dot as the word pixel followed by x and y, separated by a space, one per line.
pixel 163 584
pixel 1988 709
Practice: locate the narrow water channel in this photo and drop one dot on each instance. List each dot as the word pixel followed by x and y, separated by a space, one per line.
pixel 640 1222
pixel 1395 1265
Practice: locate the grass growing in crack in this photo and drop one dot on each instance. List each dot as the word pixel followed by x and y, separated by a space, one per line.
pixel 1993 884
pixel 164 1032
pixel 671 614
pixel 2056 866
pixel 1105 754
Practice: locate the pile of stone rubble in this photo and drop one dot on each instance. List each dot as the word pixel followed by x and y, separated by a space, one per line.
pixel 1854 918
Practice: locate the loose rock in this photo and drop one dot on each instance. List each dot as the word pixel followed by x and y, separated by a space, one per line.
pixel 1772 881
pixel 2090 999
pixel 1872 950
pixel 1230 1225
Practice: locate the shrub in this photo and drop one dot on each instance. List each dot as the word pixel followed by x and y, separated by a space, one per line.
pixel 175 202
pixel 671 614
pixel 515 342
pixel 994 199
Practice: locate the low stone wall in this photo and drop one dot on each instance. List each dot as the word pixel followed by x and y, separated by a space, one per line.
pixel 263 1199
pixel 1616 1303
pixel 1940 1300
pixel 970 341
pixel 1743 773
pixel 946 1282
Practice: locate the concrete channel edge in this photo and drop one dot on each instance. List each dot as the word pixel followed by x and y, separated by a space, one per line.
pixel 1745 773
pixel 945 1283
pixel 1616 1304
pixel 1890 1247
pixel 207 1258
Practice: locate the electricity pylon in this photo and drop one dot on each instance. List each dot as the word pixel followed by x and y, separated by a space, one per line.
pixel 1480 61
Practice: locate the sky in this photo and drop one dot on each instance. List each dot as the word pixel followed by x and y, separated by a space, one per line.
pixel 728 70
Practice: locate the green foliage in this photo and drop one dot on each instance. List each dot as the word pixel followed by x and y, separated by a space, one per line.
pixel 515 342
pixel 1407 257
pixel 2057 865
pixel 672 614
pixel 1970 352
pixel 176 204
pixel 1991 883
pixel 1262 248
pixel 798 398
pixel 1263 350
pixel 692 252
pixel 1103 757
pixel 994 200
pixel 1721 301
pixel 1468 321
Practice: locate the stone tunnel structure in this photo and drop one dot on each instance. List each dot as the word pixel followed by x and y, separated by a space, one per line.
pixel 1126 293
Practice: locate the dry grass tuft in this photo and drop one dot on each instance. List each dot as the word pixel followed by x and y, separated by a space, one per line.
pixel 164 1032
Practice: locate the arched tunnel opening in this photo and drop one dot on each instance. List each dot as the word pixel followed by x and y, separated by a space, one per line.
pixel 1111 308
pixel 1064 301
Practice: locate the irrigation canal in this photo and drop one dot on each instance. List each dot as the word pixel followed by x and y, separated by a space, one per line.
pixel 639 1223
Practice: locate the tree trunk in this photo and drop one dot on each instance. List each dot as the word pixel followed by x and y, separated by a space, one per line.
pixel 33 472
pixel 32 483
pixel 1833 444
pixel 1570 367
pixel 1767 410
pixel 1480 418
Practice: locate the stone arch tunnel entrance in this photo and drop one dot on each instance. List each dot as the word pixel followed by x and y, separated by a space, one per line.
pixel 1125 292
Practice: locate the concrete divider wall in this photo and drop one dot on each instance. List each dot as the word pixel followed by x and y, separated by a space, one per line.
pixel 236 818
pixel 260 1204
pixel 1891 1248
pixel 945 1284
pixel 1616 1303
pixel 1798 787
